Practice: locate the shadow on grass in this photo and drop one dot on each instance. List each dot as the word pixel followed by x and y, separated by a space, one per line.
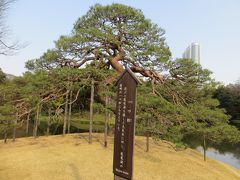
pixel 75 172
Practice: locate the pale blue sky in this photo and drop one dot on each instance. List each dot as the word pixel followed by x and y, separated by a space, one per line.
pixel 215 24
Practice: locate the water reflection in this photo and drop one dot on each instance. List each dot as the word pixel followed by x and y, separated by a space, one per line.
pixel 226 157
pixel 224 152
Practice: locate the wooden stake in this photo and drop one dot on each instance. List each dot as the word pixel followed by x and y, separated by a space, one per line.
pixel 204 147
pixel 91 111
pixel 27 125
pixel 106 123
pixel 69 113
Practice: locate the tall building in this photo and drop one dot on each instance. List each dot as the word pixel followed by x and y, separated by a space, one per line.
pixel 192 52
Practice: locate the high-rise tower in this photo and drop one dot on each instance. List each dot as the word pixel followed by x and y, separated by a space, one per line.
pixel 192 52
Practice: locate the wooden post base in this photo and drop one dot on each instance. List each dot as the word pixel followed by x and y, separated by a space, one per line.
pixel 120 178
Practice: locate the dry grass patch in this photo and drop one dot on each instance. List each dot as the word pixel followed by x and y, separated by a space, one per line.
pixel 71 157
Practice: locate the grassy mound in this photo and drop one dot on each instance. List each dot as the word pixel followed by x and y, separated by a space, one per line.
pixel 71 157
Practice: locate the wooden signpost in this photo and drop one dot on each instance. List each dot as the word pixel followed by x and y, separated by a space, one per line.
pixel 125 125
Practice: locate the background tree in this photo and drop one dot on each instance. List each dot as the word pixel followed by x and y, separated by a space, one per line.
pixel 164 117
pixel 7 117
pixel 2 76
pixel 6 47
pixel 229 97
pixel 210 124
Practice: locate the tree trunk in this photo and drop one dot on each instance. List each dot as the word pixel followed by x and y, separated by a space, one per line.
pixel 106 122
pixel 147 141
pixel 27 125
pixel 65 113
pixel 91 112
pixel 36 122
pixel 147 135
pixel 108 126
pixel 69 113
pixel 204 147
pixel 14 129
pixel 48 121
pixel 5 135
pixel 79 111
pixel 153 86
pixel 116 65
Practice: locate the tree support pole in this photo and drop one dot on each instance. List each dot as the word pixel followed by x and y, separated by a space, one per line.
pixel 91 112
pixel 48 121
pixel 69 113
pixel 5 135
pixel 65 114
pixel 147 141
pixel 14 128
pixel 106 123
pixel 204 147
pixel 35 129
pixel 27 125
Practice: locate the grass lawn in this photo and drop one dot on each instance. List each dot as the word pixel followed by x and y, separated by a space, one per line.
pixel 71 157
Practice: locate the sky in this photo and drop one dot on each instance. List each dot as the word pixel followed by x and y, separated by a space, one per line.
pixel 214 24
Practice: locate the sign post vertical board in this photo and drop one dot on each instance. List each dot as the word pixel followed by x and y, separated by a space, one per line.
pixel 125 125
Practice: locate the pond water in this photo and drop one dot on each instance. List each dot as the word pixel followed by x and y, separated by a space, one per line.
pixel 226 157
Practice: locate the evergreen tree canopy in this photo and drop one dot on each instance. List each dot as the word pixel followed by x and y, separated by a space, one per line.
pixel 111 36
pixel 116 35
